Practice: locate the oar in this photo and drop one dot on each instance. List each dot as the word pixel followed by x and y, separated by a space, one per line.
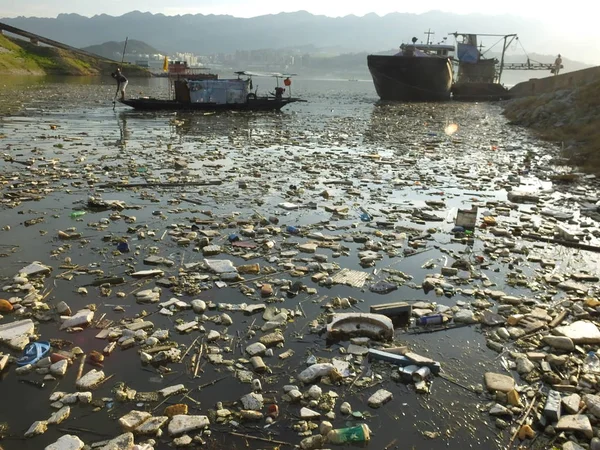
pixel 121 66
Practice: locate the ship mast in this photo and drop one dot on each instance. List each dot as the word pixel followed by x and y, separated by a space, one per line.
pixel 504 47
pixel 429 33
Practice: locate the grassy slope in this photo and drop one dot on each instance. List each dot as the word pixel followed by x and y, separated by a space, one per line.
pixel 578 123
pixel 21 57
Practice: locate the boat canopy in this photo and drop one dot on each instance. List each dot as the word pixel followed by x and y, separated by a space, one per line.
pixel 263 74
pixel 212 91
pixel 467 53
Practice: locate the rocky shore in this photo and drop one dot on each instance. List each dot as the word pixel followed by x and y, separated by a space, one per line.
pixel 569 116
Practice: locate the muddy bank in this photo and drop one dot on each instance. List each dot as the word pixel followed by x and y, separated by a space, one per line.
pixel 193 265
pixel 569 117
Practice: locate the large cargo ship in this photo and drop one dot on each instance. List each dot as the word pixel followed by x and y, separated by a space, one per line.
pixel 419 72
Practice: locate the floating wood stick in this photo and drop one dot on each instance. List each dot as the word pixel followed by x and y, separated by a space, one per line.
pixel 257 438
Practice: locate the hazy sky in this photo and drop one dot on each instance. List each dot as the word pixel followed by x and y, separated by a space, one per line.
pixel 577 13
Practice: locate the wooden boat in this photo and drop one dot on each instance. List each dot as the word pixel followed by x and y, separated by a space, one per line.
pixel 251 104
pixel 209 93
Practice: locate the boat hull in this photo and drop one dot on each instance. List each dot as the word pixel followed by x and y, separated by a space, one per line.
pixel 258 104
pixel 479 92
pixel 408 78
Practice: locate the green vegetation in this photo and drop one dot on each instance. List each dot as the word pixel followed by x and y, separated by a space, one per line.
pixel 20 57
pixel 570 117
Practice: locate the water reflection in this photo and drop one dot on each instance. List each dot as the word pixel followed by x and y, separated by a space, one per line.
pixel 238 128
pixel 403 122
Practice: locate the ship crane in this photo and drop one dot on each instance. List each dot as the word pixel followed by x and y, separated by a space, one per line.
pixel 508 39
pixel 529 65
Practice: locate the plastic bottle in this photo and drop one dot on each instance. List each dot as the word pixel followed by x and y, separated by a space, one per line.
pixel 361 433
pixel 292 229
pixel 76 214
pixel 366 217
pixel 591 363
pixel 435 319
pixel 123 247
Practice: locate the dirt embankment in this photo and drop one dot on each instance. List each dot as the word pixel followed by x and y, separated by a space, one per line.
pixel 568 116
pixel 19 57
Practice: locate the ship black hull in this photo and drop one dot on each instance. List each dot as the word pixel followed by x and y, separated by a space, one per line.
pixel 256 104
pixel 405 78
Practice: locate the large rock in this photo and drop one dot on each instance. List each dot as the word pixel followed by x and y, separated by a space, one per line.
pixel 38 427
pixel 59 416
pixel 593 404
pixel 81 317
pixel 524 366
pixel 465 316
pixel 133 419
pixel 256 349
pixel 66 442
pixel 559 343
pixel 572 446
pixel 580 332
pixel 152 425
pixel 272 339
pixel 309 414
pixel 121 442
pixel 58 369
pixel 199 306
pixel 184 424
pixel 312 442
pixel 90 380
pixel 571 403
pixel 499 382
pixel 252 401
pixel 172 390
pixel 34 269
pixel 499 410
pixel 379 398
pixel 576 422
pixel 16 334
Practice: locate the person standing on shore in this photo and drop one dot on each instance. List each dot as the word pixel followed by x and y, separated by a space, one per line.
pixel 121 82
pixel 557 64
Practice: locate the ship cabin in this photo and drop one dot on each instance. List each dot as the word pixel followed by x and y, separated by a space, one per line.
pixel 426 50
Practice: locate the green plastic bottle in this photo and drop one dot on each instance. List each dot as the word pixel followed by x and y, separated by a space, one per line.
pixel 76 214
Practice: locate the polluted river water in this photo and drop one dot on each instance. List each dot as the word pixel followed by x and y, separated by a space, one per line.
pixel 178 242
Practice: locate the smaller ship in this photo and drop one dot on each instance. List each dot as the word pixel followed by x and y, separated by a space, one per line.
pixel 207 92
pixel 478 77
pixel 419 72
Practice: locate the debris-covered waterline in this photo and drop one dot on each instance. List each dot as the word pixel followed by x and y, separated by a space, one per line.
pixel 246 224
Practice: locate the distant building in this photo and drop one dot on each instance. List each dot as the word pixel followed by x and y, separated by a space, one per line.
pixel 189 58
pixel 178 67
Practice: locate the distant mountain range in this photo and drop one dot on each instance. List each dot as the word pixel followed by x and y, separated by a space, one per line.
pixel 209 34
pixel 114 50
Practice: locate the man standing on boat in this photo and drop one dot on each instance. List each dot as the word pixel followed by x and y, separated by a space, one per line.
pixel 557 64
pixel 121 82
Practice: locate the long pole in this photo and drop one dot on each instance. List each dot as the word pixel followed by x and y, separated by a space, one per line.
pixel 121 67
pixel 124 48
